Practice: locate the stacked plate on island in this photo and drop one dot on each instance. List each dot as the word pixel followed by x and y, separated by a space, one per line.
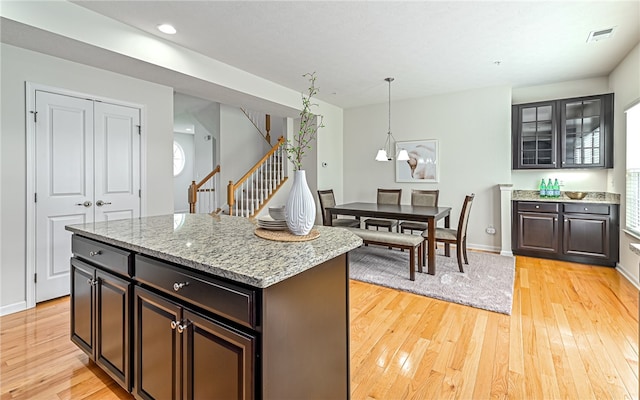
pixel 266 222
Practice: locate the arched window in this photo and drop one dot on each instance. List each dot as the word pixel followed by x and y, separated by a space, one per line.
pixel 178 158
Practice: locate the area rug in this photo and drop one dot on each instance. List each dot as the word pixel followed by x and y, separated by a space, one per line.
pixel 487 282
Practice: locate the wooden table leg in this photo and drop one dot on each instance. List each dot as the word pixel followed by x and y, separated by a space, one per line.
pixel 447 246
pixel 431 246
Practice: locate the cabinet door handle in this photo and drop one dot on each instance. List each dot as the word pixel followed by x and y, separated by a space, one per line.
pixel 566 220
pixel 179 285
pixel 182 327
pixel 537 206
pixel 95 253
pixel 92 282
pixel 586 209
pixel 179 325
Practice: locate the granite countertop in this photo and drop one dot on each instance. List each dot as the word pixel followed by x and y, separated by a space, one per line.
pixel 222 246
pixel 592 197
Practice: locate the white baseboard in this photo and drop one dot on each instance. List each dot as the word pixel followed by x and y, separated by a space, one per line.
pixel 13 308
pixel 624 272
pixel 492 249
pixel 506 253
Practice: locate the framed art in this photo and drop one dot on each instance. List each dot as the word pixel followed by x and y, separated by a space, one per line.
pixel 422 165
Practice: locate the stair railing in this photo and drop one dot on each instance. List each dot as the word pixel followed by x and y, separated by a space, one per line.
pixel 267 125
pixel 203 194
pixel 250 194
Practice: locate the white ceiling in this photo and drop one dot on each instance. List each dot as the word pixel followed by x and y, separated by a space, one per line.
pixel 428 47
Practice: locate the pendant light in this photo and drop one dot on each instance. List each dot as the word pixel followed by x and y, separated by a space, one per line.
pixel 384 154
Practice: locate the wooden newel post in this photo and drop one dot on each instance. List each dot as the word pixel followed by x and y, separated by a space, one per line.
pixel 230 197
pixel 192 194
pixel 268 128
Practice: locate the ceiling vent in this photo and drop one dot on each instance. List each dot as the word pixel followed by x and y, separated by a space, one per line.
pixel 602 34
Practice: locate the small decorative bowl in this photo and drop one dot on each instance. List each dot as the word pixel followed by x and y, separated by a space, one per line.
pixel 576 195
pixel 277 213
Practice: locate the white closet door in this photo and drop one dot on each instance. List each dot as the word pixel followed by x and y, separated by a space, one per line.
pixel 117 162
pixel 87 169
pixel 64 185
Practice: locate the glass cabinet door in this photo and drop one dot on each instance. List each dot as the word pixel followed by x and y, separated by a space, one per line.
pixel 582 133
pixel 537 136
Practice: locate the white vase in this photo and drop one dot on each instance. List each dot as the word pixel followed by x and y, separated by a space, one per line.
pixel 301 207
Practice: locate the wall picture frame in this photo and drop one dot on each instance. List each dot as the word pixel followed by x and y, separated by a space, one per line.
pixel 423 165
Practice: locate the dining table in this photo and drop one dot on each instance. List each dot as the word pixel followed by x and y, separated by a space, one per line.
pixel 404 212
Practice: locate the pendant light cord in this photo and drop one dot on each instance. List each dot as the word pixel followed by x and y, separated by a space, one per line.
pixel 389 80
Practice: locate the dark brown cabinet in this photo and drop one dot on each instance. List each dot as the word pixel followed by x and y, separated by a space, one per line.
pixel 578 232
pixel 566 133
pixel 188 355
pixel 538 227
pixel 100 309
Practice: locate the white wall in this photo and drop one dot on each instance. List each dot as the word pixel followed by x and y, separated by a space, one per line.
pixel 574 179
pixel 473 131
pixel 18 66
pixel 625 82
pixel 330 155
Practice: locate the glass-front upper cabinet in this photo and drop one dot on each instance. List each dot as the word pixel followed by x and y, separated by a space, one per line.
pixel 535 139
pixel 587 137
pixel 578 132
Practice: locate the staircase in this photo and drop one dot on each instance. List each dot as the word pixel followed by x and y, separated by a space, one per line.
pixel 249 195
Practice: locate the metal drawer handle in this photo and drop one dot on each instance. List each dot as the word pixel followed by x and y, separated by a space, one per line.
pixel 537 206
pixel 586 209
pixel 95 253
pixel 179 285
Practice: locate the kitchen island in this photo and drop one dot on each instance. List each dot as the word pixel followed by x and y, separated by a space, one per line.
pixel 197 306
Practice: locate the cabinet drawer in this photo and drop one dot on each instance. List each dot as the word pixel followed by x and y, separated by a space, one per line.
pixel 106 256
pixel 602 209
pixel 233 302
pixel 538 206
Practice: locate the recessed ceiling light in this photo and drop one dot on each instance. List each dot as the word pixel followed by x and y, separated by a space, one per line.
pixel 168 29
pixel 594 36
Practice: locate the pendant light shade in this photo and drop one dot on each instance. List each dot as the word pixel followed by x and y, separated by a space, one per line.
pixel 385 153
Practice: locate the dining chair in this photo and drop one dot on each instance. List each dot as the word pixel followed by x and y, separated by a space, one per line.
pixel 455 236
pixel 427 198
pixel 327 199
pixel 385 196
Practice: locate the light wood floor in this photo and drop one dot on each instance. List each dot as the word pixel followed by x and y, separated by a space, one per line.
pixel 573 334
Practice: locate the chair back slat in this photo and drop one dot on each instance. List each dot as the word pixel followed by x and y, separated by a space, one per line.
pixel 464 216
pixel 428 198
pixel 327 199
pixel 389 196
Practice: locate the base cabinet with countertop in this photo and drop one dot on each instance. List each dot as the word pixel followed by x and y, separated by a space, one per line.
pixel 176 331
pixel 578 232
pixel 101 306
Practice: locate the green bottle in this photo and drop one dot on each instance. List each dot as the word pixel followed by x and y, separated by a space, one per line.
pixel 549 188
pixel 556 188
pixel 543 189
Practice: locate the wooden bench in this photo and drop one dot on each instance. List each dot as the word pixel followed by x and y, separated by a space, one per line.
pixel 402 241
